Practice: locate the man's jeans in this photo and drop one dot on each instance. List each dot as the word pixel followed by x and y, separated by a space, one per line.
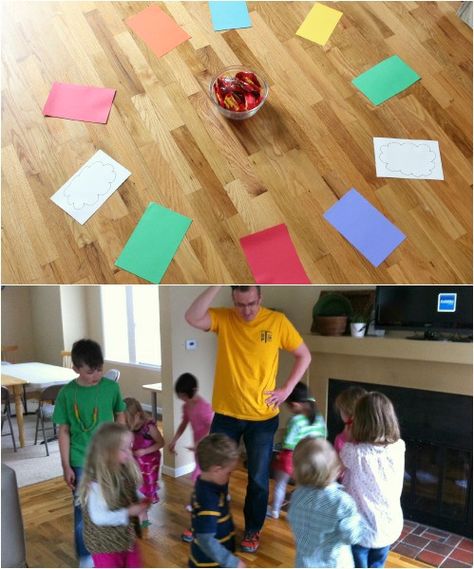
pixel 81 550
pixel 258 440
pixel 367 557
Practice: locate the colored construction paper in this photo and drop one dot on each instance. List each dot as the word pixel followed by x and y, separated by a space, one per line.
pixel 229 15
pixel 272 257
pixel 319 24
pixel 408 158
pixel 369 231
pixel 386 79
pixel 83 194
pixel 153 243
pixel 160 32
pixel 79 102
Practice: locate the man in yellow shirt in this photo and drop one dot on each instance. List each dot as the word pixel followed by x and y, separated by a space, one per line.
pixel 245 398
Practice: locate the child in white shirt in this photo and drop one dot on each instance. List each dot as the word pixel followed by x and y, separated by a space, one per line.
pixel 375 462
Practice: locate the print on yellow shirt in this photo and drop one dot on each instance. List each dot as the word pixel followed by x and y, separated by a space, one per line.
pixel 247 360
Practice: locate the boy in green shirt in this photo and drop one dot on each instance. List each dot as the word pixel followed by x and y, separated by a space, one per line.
pixel 82 405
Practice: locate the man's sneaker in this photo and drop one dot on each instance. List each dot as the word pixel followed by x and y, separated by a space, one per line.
pixel 187 536
pixel 250 542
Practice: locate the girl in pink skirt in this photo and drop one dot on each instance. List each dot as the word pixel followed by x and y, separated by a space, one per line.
pixel 147 442
pixel 199 414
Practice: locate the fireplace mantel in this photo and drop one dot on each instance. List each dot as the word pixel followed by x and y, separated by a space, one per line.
pixel 433 366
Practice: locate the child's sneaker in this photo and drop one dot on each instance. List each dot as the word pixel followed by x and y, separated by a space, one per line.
pixel 272 513
pixel 189 508
pixel 187 536
pixel 251 541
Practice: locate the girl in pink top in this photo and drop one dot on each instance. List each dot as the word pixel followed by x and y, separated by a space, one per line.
pixel 197 412
pixel 345 404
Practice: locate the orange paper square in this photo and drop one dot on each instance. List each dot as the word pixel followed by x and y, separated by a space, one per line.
pixel 160 32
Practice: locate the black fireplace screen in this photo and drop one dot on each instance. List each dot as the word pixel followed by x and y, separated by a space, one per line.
pixel 437 430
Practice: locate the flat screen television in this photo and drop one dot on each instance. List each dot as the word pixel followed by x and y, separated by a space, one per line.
pixel 432 309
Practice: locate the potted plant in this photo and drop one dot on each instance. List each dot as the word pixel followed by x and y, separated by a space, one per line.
pixel 331 314
pixel 359 324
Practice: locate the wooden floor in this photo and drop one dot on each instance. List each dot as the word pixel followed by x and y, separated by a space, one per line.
pixel 47 515
pixel 310 144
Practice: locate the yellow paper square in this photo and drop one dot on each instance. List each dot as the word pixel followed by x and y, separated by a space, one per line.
pixel 319 24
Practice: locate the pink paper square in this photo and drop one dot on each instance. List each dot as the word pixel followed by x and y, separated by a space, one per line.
pixel 273 258
pixel 79 102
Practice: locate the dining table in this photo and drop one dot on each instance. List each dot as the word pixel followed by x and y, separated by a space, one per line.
pixel 154 388
pixel 38 374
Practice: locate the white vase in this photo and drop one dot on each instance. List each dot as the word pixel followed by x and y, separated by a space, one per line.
pixel 358 329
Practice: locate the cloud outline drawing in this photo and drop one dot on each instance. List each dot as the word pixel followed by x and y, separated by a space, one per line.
pixel 97 178
pixel 399 157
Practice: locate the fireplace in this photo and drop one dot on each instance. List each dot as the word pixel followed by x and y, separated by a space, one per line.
pixel 437 430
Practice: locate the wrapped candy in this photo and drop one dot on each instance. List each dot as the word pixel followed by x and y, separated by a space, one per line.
pixel 241 92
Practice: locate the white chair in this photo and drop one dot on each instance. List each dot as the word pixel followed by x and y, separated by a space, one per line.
pixel 113 374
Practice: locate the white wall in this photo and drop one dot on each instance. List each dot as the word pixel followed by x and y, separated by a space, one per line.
pixel 73 315
pixel 47 323
pixel 17 324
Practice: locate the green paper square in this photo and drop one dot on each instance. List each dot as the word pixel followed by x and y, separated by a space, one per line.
pixel 153 243
pixel 386 79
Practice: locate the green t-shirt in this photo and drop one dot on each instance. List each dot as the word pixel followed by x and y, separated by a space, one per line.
pixel 108 399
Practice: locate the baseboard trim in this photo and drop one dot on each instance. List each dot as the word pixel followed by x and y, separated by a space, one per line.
pixel 177 472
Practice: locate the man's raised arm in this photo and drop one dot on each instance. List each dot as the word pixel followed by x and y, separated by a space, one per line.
pixel 197 315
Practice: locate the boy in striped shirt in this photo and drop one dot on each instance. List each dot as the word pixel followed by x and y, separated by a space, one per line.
pixel 213 542
pixel 306 422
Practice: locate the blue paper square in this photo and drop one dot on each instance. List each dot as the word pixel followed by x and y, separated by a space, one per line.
pixel 369 231
pixel 229 15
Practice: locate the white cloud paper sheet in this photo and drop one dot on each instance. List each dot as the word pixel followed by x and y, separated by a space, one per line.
pixel 406 158
pixel 83 194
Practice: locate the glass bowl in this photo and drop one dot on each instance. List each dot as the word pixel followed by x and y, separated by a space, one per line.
pixel 243 97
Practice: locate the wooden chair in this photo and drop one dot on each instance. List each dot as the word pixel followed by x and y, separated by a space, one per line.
pixel 66 357
pixel 9 354
pixel 6 415
pixel 45 411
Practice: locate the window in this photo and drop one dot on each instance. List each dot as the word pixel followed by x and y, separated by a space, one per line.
pixel 131 324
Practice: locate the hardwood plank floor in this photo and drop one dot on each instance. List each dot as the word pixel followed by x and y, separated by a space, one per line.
pixel 310 143
pixel 47 516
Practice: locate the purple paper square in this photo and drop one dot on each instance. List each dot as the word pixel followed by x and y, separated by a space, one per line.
pixel 369 231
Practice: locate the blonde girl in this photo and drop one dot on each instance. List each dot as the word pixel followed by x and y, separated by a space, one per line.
pixel 109 498
pixel 375 464
pixel 323 517
pixel 306 421
pixel 147 442
pixel 345 404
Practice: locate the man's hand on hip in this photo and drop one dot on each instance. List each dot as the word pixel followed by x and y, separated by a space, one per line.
pixel 277 397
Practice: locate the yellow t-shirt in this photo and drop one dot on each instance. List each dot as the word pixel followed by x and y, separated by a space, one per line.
pixel 247 360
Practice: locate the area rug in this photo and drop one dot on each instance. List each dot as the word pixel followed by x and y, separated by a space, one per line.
pixel 30 463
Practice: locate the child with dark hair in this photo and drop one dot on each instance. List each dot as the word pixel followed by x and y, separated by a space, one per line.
pixel 199 414
pixel 80 408
pixel 306 422
pixel 213 542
